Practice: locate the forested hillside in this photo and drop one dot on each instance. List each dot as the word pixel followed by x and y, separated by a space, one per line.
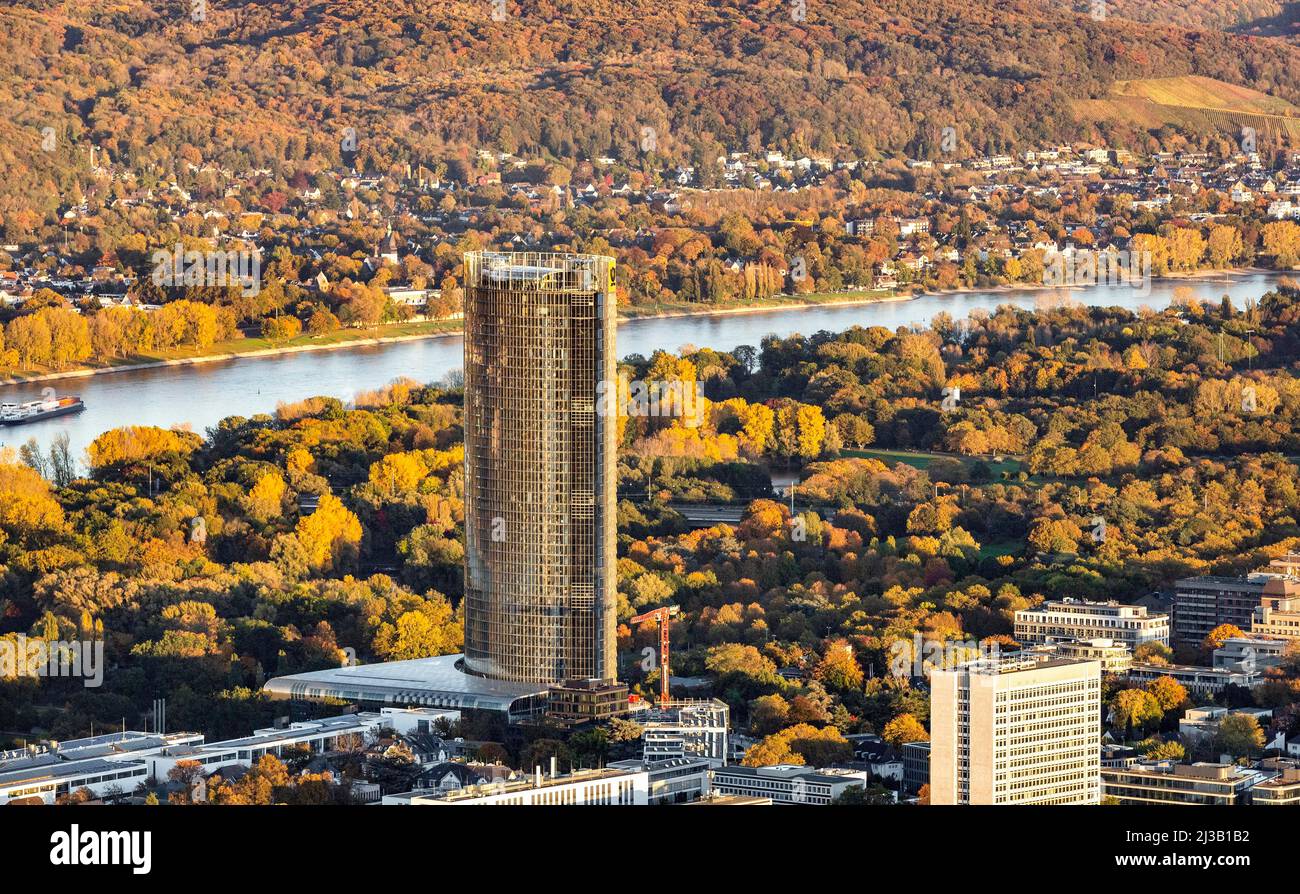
pixel 276 83
pixel 1246 16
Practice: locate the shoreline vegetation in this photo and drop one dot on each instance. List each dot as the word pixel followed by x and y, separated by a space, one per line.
pixel 392 333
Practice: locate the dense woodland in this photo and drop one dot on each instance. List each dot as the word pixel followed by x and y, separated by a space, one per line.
pixel 275 84
pixel 1064 416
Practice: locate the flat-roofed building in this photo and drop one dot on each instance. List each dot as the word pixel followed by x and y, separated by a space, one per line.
pixel 1277 617
pixel 322 735
pixel 1283 790
pixel 1203 603
pixel 438 682
pixel 1202 724
pixel 1164 782
pixel 684 728
pixel 786 783
pixel 581 701
pixel 1076 619
pixel 581 788
pixel 916 766
pixel 680 780
pixel 1016 730
pixel 107 765
pixel 1113 656
pixel 540 473
pixel 1197 680
pixel 1249 653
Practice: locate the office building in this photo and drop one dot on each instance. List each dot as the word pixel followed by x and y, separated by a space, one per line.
pixel 1249 653
pixel 787 784
pixel 685 729
pixel 1277 616
pixel 1165 782
pixel 438 682
pixel 539 467
pixel 1114 657
pixel 1074 619
pixel 916 766
pixel 1203 603
pixel 681 780
pixel 1283 790
pixel 1015 730
pixel 109 766
pixel 583 701
pixel 1198 725
pixel 326 734
pixel 581 788
pixel 1197 680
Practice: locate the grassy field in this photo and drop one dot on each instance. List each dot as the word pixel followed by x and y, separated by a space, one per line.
pixel 922 460
pixel 1003 548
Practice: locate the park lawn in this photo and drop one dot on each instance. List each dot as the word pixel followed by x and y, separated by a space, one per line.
pixel 921 459
pixel 1002 548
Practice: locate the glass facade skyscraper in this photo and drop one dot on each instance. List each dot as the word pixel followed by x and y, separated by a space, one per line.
pixel 539 466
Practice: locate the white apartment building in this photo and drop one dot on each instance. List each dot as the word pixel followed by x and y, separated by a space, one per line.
pixel 1081 620
pixel 1016 730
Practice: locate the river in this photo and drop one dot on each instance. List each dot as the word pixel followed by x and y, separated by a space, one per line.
pixel 201 395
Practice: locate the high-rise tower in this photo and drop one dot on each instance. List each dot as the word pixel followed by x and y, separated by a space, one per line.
pixel 1016 730
pixel 539 466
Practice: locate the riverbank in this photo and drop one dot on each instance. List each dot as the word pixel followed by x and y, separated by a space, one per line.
pixel 355 338
pixel 247 348
pixel 404 332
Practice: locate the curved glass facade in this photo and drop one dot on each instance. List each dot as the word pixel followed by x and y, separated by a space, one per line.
pixel 539 466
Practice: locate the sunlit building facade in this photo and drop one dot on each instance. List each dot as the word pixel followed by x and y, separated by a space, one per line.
pixel 539 467
pixel 1016 730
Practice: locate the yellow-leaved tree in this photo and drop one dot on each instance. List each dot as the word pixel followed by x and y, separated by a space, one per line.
pixel 330 536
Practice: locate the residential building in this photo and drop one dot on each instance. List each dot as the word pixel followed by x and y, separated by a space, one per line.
pixel 539 466
pixel 787 783
pixel 1015 730
pixel 1076 619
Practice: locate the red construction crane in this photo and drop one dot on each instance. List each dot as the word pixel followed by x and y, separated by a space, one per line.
pixel 661 616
